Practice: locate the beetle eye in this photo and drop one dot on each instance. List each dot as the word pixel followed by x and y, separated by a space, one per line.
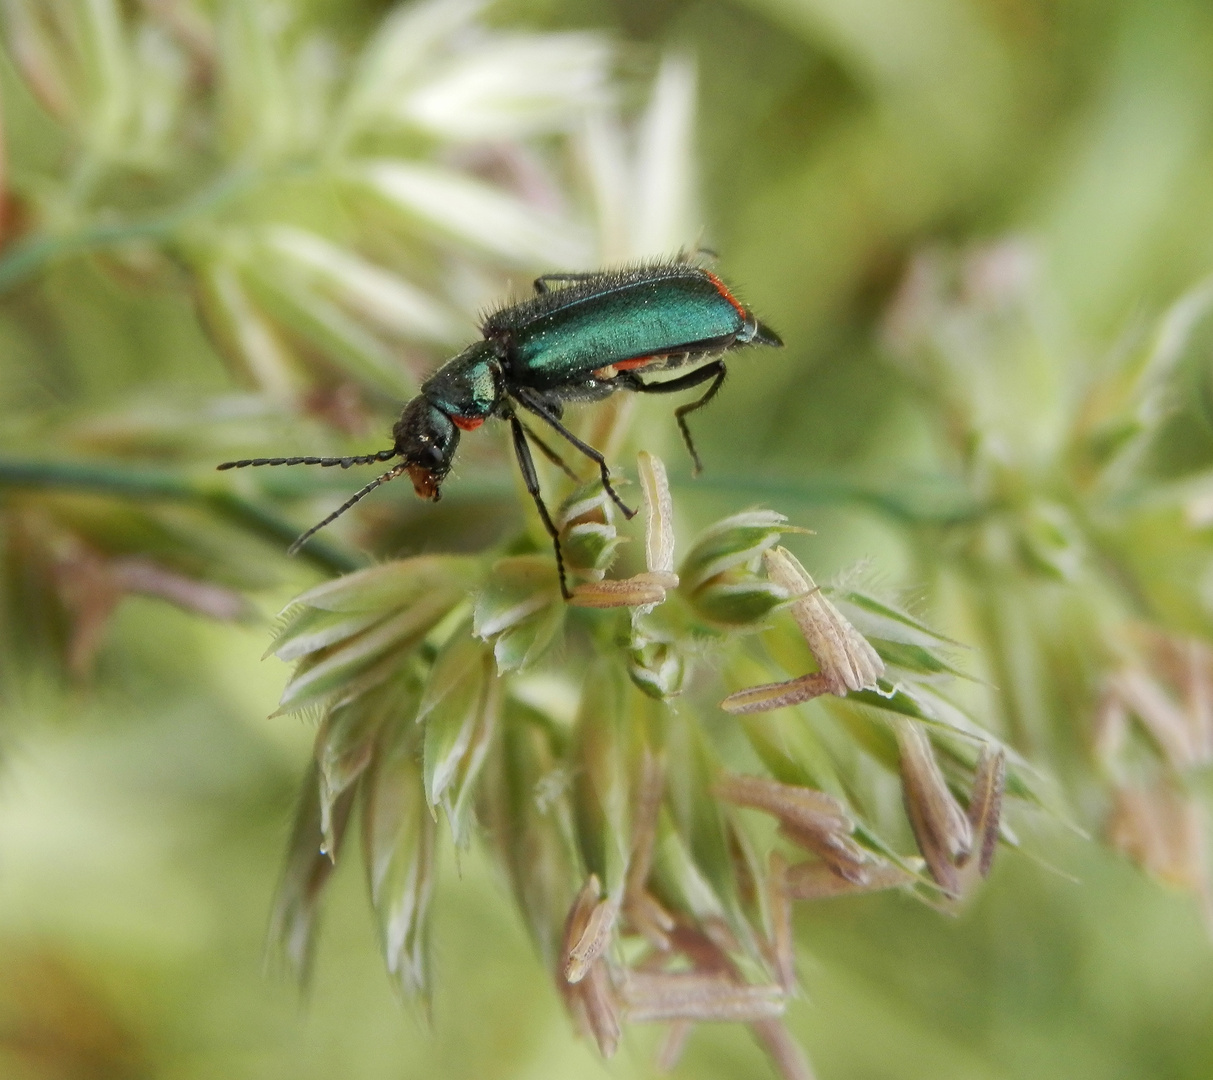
pixel 433 457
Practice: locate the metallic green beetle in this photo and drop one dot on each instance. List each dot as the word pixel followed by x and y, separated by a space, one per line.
pixel 582 340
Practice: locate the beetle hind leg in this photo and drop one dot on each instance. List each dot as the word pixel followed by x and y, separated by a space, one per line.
pixel 714 371
pixel 681 413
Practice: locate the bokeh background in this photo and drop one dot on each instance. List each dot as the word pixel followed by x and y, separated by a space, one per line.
pixel 146 789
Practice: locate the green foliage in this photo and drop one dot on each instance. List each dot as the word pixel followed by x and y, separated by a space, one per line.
pixel 313 202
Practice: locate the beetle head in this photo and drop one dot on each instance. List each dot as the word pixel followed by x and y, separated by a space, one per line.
pixel 426 439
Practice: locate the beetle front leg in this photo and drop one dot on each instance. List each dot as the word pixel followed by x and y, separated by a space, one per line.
pixel 529 477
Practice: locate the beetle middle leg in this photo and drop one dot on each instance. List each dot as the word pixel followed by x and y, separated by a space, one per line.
pixel 529 477
pixel 713 371
pixel 535 404
pixel 551 454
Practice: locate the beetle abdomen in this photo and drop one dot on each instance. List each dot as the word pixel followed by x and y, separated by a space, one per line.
pixel 612 318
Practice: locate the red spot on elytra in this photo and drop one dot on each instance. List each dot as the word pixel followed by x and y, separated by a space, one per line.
pixel 467 423
pixel 611 370
pixel 723 289
pixel 627 365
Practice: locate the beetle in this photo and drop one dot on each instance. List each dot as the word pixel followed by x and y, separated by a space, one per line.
pixel 581 337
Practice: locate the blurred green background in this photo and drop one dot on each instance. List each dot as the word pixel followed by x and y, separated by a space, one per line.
pixel 143 808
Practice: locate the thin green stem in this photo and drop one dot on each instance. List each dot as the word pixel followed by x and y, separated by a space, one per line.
pixel 150 483
pixel 944 503
pixel 938 502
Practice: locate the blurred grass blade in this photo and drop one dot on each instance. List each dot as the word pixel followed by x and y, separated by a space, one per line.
pixel 308 867
pixel 393 304
pixel 511 87
pixel 603 797
pixel 451 708
pixel 398 843
pixel 665 217
pixel 486 218
pixel 405 42
pixel 256 113
pixel 247 338
pixel 297 307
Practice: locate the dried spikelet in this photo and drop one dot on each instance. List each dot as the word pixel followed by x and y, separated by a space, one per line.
pixel 591 997
pixel 780 695
pixel 1110 726
pixel 845 659
pixel 593 940
pixel 710 957
pixel 1171 726
pixel 941 828
pixel 646 916
pixel 1163 831
pixel 1196 685
pixel 812 819
pixel 780 912
pixel 804 808
pixel 785 1053
pixel 601 1009
pixel 655 997
pixel 843 654
pixel 642 590
pixel 985 804
pixel 1172 698
pixel 670 1051
pixel 817 881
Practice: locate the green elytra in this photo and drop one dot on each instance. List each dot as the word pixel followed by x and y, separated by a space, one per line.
pixel 596 334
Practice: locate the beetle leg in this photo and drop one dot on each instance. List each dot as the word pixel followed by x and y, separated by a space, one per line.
pixel 527 464
pixel 713 371
pixel 550 454
pixel 535 404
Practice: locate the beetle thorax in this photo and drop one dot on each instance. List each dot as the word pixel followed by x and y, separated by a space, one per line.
pixel 470 387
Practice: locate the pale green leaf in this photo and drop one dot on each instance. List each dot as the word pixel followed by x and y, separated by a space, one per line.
pixel 456 206
pixel 735 541
pixel 398 844
pixel 451 707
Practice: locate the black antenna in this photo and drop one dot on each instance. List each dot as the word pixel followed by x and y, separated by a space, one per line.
pixel 327 462
pixel 391 474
